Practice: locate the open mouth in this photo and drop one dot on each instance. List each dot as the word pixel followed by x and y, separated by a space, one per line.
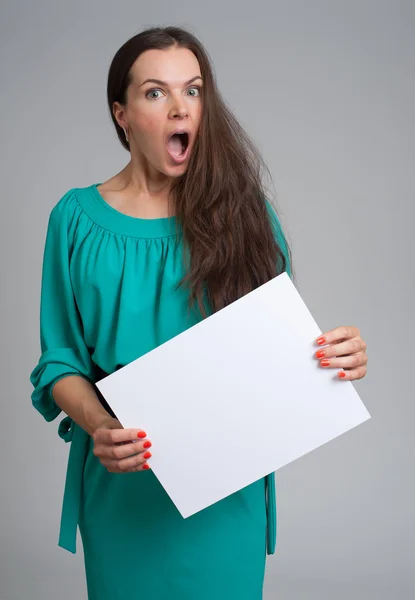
pixel 177 144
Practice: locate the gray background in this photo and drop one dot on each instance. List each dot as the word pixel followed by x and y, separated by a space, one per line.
pixel 326 89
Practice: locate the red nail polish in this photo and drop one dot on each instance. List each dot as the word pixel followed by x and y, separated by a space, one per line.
pixel 342 374
pixel 147 444
pixel 147 455
pixel 321 340
pixel 141 434
pixel 325 363
pixel 146 466
pixel 320 354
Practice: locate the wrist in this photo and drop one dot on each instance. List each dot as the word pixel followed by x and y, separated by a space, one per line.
pixel 96 419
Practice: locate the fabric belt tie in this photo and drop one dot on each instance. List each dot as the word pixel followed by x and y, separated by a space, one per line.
pixel 69 431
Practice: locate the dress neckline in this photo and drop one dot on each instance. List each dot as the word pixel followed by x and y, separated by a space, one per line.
pixel 112 219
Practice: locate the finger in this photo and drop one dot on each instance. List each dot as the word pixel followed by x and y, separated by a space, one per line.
pixel 114 436
pixel 132 463
pixel 117 451
pixel 343 332
pixel 142 467
pixel 345 362
pixel 352 374
pixel 351 346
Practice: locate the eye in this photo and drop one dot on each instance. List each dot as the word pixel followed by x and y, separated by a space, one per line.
pixel 153 91
pixel 195 88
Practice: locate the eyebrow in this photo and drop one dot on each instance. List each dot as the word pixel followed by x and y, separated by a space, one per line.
pixel 159 82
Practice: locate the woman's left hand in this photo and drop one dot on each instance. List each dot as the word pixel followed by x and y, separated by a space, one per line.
pixel 345 350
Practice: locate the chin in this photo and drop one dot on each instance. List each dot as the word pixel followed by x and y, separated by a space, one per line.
pixel 175 171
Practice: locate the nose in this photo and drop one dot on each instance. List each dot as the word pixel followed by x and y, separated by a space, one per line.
pixel 178 109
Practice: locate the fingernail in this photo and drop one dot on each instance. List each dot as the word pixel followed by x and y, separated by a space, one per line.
pixel 141 434
pixel 146 466
pixel 147 455
pixel 147 444
pixel 320 354
pixel 342 374
pixel 325 363
pixel 321 340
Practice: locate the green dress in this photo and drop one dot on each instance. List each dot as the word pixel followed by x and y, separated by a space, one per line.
pixel 109 296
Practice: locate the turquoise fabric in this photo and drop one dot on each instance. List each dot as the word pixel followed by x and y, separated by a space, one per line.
pixel 109 296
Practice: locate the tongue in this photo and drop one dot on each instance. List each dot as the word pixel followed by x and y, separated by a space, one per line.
pixel 175 145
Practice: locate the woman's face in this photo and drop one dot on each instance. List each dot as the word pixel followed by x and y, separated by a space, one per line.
pixel 164 96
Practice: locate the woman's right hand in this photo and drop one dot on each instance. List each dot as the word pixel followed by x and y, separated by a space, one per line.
pixel 116 450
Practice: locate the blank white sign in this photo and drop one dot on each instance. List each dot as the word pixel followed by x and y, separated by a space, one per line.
pixel 235 397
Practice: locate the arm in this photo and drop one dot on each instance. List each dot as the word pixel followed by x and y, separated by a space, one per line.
pixel 78 399
pixel 65 365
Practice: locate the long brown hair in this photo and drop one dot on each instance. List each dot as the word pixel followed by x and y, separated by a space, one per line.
pixel 220 200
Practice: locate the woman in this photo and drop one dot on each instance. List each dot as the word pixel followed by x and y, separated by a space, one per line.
pixel 182 231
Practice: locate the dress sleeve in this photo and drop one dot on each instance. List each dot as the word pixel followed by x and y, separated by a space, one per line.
pixel 279 236
pixel 63 349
